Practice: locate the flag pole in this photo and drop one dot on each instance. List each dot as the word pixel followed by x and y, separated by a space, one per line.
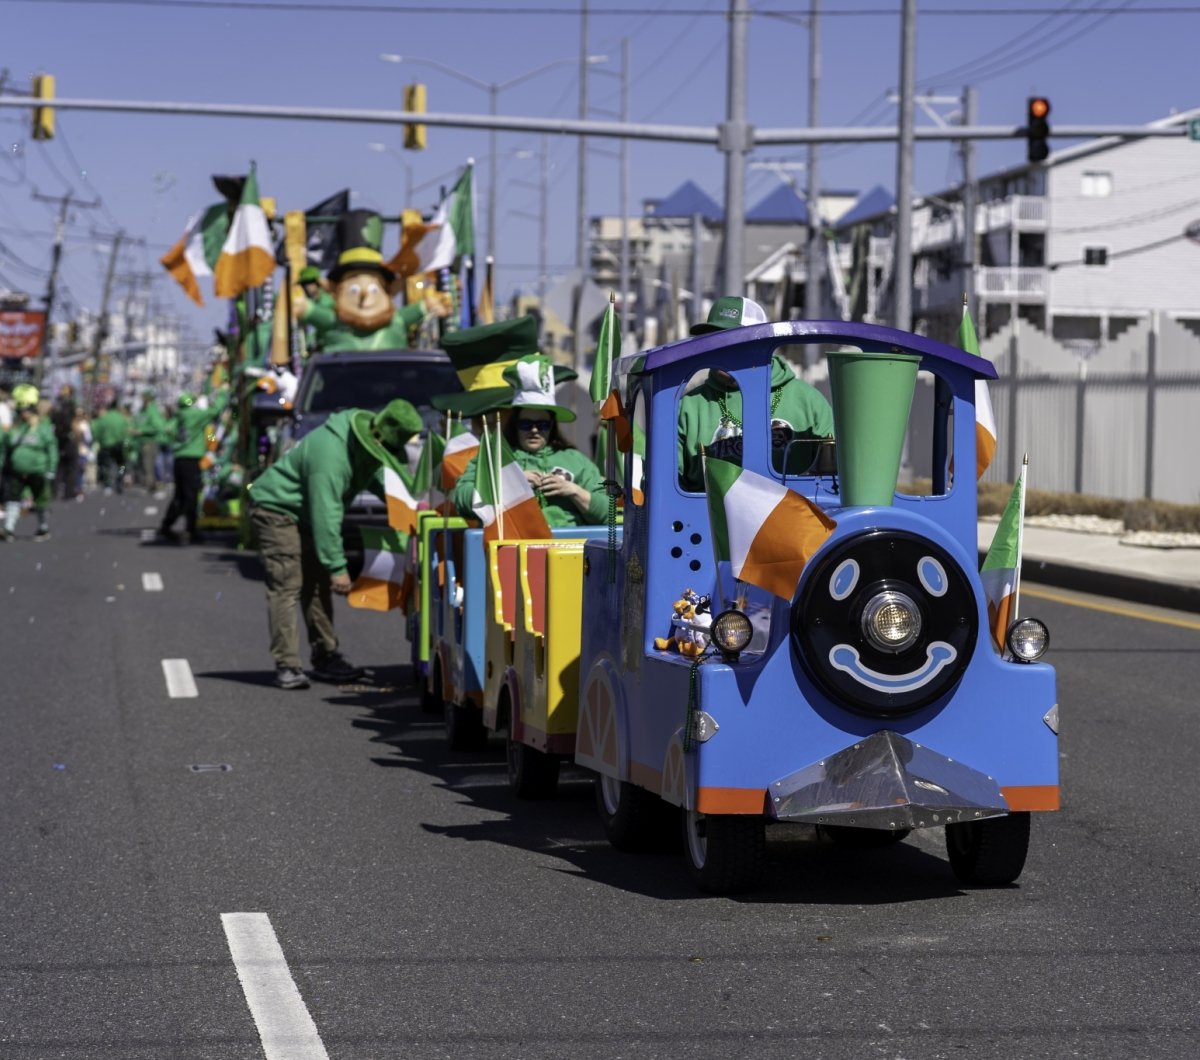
pixel 712 536
pixel 496 476
pixel 1020 539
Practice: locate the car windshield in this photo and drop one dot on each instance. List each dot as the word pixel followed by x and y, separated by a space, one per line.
pixel 363 385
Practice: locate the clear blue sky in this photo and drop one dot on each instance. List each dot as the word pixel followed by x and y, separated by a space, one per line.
pixel 1098 62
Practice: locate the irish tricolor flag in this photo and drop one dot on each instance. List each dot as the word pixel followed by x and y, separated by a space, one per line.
pixel 380 586
pixel 198 250
pixel 457 455
pixel 247 258
pixel 985 420
pixel 436 244
pixel 503 498
pixel 766 531
pixel 401 504
pixel 1001 570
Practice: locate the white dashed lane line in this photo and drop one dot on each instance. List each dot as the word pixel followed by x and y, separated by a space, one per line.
pixel 180 683
pixel 284 1024
pixel 152 582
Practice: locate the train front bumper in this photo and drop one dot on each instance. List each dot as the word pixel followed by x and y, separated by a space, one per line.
pixel 885 781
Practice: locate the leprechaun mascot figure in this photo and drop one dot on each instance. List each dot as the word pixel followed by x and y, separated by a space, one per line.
pixel 362 315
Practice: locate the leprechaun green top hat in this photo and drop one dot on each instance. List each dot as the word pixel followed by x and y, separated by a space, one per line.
pixel 360 235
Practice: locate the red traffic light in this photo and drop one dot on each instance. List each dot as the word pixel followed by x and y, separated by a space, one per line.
pixel 1037 128
pixel 1039 107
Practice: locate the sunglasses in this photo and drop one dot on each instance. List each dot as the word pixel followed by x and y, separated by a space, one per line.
pixel 543 426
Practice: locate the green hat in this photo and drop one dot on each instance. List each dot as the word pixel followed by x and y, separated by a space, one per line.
pixel 186 400
pixel 384 433
pixel 360 235
pixel 309 274
pixel 533 380
pixel 25 396
pixel 730 312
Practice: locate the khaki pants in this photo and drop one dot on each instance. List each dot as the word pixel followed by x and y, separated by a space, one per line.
pixel 293 575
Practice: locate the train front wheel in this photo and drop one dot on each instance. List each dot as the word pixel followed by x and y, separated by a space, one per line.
pixel 991 852
pixel 532 774
pixel 633 818
pixel 725 852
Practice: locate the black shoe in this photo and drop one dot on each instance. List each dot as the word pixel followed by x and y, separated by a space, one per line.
pixel 167 535
pixel 335 667
pixel 290 677
pixel 43 534
pixel 196 539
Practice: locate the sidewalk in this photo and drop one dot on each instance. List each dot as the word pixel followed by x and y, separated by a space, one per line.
pixel 1099 563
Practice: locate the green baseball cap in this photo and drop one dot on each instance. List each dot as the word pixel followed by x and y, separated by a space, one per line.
pixel 730 312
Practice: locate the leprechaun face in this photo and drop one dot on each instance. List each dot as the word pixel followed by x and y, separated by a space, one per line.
pixel 362 301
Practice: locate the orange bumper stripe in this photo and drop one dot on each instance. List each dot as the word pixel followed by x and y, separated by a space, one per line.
pixel 1032 797
pixel 731 800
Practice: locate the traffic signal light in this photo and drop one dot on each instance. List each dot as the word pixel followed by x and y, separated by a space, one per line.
pixel 1037 128
pixel 414 103
pixel 43 117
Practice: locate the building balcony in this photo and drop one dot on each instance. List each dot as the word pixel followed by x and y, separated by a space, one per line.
pixel 1027 213
pixel 1000 283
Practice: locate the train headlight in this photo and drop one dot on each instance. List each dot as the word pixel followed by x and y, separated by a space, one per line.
pixel 891 621
pixel 731 632
pixel 1028 639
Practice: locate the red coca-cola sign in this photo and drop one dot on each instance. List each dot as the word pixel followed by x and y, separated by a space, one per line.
pixel 21 332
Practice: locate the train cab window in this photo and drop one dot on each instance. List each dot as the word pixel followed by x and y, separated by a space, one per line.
pixel 635 459
pixel 710 419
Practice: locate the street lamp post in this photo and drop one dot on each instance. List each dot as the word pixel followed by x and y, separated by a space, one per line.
pixel 493 89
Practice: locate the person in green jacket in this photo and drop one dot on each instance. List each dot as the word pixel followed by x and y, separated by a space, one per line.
pixel 148 427
pixel 297 507
pixel 567 484
pixel 188 449
pixel 110 430
pixel 28 461
pixel 711 416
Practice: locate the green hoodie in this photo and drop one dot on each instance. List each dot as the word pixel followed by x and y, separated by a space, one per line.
pixel 149 424
pixel 110 429
pixel 29 448
pixel 797 411
pixel 314 481
pixel 189 440
pixel 557 513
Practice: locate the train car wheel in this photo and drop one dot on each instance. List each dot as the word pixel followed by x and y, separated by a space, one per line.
pixel 863 838
pixel 725 852
pixel 989 852
pixel 532 774
pixel 633 818
pixel 464 727
pixel 431 690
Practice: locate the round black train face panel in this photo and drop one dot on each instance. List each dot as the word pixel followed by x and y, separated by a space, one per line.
pixel 886 622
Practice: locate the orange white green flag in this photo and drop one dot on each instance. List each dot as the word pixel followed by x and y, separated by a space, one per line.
pixel 1001 570
pixel 401 504
pixel 247 257
pixel 766 531
pixel 985 419
pixel 503 498
pixel 197 250
pixel 462 446
pixel 380 586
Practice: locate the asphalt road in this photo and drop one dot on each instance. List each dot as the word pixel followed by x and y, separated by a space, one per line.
pixel 420 911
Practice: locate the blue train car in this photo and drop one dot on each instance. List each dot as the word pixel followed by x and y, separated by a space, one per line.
pixel 871 699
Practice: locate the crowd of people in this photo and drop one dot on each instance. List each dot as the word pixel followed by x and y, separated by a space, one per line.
pixel 52 449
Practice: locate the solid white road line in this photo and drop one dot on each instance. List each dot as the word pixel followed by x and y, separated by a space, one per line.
pixel 152 582
pixel 284 1024
pixel 180 683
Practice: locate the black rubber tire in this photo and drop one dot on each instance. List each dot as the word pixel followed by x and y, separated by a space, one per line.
pixel 633 818
pixel 464 726
pixel 532 774
pixel 989 853
pixel 725 852
pixel 863 838
pixel 431 690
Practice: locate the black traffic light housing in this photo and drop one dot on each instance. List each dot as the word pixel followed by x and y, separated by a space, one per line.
pixel 1037 128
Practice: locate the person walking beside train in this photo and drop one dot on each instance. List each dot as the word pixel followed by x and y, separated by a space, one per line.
pixel 188 449
pixel 297 508
pixel 28 461
pixel 567 484
pixel 711 416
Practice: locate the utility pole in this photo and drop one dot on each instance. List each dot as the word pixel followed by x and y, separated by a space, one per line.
pixel 970 196
pixel 60 234
pixel 102 322
pixel 812 284
pixel 581 221
pixel 625 85
pixel 902 267
pixel 735 138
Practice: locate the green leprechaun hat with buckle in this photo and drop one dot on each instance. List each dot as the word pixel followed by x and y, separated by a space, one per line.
pixel 383 434
pixel 480 356
pixel 360 235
